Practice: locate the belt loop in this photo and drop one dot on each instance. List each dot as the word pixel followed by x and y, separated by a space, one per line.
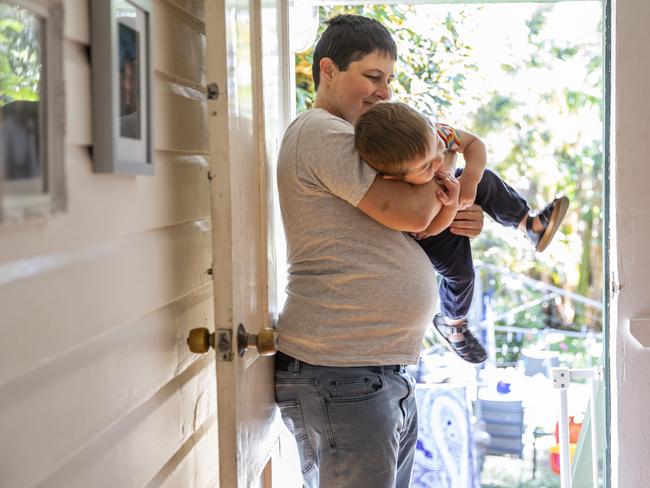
pixel 296 366
pixel 382 370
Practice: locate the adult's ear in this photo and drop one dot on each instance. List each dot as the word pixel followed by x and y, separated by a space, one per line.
pixel 327 69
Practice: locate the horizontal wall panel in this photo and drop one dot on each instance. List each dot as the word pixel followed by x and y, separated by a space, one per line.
pixel 97 385
pixel 180 118
pixel 130 452
pixel 179 46
pixel 77 15
pixel 104 207
pixel 195 464
pixel 64 300
pixel 94 386
pixel 194 8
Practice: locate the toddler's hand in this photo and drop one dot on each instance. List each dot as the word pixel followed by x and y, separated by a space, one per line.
pixel 449 192
pixel 467 194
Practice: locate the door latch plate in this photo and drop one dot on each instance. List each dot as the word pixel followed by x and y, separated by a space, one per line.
pixel 223 345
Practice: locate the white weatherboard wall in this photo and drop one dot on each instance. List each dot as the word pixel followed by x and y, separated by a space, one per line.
pixel 631 206
pixel 97 386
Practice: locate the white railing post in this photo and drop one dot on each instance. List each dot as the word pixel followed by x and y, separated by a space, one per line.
pixel 561 381
pixel 594 427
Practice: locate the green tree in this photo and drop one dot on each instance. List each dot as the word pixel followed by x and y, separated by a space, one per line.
pixel 430 71
pixel 543 161
pixel 576 163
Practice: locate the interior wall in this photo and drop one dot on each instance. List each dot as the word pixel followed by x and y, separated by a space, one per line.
pixel 97 386
pixel 630 207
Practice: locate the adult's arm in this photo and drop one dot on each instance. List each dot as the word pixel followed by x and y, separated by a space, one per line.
pixel 400 205
pixel 329 161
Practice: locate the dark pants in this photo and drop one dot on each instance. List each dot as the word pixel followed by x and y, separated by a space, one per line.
pixel 451 255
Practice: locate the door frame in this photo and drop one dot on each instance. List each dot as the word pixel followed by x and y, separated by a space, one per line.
pixel 611 285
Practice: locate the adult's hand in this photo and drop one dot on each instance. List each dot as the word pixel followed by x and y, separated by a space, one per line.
pixel 468 222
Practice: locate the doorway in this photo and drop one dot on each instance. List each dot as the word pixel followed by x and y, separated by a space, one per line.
pixel 535 92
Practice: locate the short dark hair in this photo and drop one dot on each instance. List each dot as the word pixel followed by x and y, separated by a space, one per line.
pixel 390 134
pixel 349 38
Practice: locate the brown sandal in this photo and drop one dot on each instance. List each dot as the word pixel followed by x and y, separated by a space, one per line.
pixel 551 218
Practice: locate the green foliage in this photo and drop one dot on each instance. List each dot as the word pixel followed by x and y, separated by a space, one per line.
pixel 542 159
pixel 576 100
pixel 430 71
pixel 20 65
pixel 547 161
pixel 495 115
pixel 547 51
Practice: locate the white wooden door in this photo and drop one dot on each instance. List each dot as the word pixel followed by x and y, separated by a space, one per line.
pixel 244 42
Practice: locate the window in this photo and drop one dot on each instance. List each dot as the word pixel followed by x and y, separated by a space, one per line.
pixel 31 110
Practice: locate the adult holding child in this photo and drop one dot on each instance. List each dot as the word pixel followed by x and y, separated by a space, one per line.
pixel 361 292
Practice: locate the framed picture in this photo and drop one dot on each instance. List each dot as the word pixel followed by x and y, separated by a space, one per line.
pixel 121 81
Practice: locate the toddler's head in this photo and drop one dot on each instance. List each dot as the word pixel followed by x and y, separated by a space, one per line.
pixel 399 142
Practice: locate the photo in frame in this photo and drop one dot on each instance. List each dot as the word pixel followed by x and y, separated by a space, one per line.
pixel 122 86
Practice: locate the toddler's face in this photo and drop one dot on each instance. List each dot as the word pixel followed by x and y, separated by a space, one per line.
pixel 422 170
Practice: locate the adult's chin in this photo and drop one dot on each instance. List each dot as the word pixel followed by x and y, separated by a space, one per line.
pixel 365 106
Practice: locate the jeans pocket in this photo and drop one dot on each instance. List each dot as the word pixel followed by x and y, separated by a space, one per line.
pixel 292 416
pixel 355 389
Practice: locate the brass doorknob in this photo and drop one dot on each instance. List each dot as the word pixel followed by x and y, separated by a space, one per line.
pixel 265 341
pixel 200 340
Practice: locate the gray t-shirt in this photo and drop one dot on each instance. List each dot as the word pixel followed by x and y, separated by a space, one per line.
pixel 358 293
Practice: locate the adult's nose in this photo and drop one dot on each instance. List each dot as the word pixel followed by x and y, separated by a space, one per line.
pixel 384 93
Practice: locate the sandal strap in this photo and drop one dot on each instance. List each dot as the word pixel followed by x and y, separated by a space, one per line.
pixel 545 215
pixel 534 237
pixel 452 329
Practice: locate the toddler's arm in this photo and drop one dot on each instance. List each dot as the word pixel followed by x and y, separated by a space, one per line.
pixel 448 195
pixel 449 162
pixel 475 154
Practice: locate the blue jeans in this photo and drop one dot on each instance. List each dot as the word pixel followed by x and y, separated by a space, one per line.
pixel 356 427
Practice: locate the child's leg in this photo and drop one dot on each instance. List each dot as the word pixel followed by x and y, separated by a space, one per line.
pixel 499 200
pixel 505 205
pixel 451 256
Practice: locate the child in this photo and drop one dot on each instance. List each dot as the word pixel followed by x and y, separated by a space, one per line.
pixel 400 143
